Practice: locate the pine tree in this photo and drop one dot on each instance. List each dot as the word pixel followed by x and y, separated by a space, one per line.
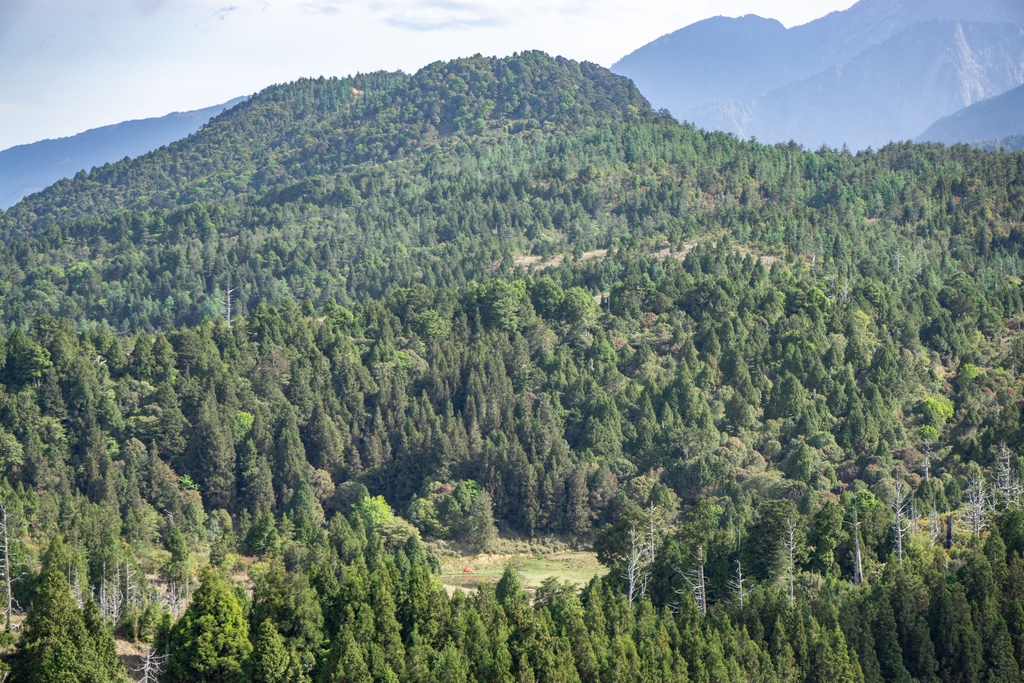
pixel 482 533
pixel 269 660
pixel 211 640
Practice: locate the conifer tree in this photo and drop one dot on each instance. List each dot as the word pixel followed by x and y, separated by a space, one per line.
pixel 59 643
pixel 269 660
pixel 211 640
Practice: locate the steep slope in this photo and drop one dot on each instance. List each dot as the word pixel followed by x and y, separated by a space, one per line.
pixel 337 188
pixel 25 169
pixel 886 93
pixel 992 119
pixel 714 59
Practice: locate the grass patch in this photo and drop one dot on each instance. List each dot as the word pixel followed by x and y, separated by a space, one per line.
pixel 575 566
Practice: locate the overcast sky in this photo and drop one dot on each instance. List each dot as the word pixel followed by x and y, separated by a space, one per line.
pixel 70 65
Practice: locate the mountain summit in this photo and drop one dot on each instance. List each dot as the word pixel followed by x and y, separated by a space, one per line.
pixel 878 71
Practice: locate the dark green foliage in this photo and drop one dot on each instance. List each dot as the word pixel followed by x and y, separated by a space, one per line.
pixel 61 643
pixel 772 337
pixel 211 640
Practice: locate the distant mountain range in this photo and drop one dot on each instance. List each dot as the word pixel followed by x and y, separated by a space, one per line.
pixel 882 70
pixel 25 169
pixel 988 123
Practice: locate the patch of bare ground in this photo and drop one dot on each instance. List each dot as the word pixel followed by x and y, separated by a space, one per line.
pixel 531 262
pixel 131 655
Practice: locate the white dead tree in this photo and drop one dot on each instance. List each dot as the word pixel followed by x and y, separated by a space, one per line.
pixel 151 666
pixel 695 578
pixel 737 584
pixel 4 527
pixel 636 572
pixel 76 588
pixel 901 523
pixel 131 591
pixel 226 303
pixel 977 504
pixel 1007 483
pixel 112 600
pixel 858 569
pixel 791 546
pixel 935 524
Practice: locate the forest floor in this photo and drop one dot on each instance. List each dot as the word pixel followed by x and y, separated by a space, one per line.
pixel 576 567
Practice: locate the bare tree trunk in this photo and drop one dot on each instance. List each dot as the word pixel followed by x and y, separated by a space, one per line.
pixel 901 526
pixel 7 563
pixel 791 546
pixel 977 505
pixel 737 583
pixel 635 573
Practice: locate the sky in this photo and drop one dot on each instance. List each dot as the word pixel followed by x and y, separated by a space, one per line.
pixel 70 65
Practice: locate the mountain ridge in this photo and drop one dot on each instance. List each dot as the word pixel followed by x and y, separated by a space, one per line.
pixel 348 116
pixel 994 118
pixel 31 167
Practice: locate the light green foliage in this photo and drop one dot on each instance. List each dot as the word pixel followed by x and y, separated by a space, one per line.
pixel 375 511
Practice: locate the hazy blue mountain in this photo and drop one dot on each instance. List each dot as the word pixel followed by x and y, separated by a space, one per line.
pixel 888 92
pixel 25 169
pixel 990 120
pixel 716 71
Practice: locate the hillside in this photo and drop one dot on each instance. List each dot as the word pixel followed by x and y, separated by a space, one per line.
pixel 751 76
pixel 775 392
pixel 991 119
pixel 1013 143
pixel 25 169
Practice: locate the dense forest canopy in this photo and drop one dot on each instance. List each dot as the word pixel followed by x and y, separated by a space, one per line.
pixel 777 391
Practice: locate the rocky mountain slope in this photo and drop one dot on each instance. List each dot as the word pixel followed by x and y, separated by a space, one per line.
pixel 879 71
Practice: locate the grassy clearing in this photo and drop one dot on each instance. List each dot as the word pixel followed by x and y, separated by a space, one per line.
pixel 577 567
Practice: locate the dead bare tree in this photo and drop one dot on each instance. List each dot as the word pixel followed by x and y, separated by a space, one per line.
pixel 695 579
pixel 935 524
pixel 858 571
pixel 9 604
pixel 737 583
pixel 901 525
pixel 1007 483
pixel 636 572
pixel 926 461
pixel 151 666
pixel 226 302
pixel 977 504
pixel 791 546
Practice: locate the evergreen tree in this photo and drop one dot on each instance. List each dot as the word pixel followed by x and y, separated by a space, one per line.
pixel 211 640
pixel 269 660
pixel 59 642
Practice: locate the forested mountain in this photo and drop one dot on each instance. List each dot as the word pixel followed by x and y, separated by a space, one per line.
pixel 1012 143
pixel 776 391
pixel 992 119
pixel 25 169
pixel 879 71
